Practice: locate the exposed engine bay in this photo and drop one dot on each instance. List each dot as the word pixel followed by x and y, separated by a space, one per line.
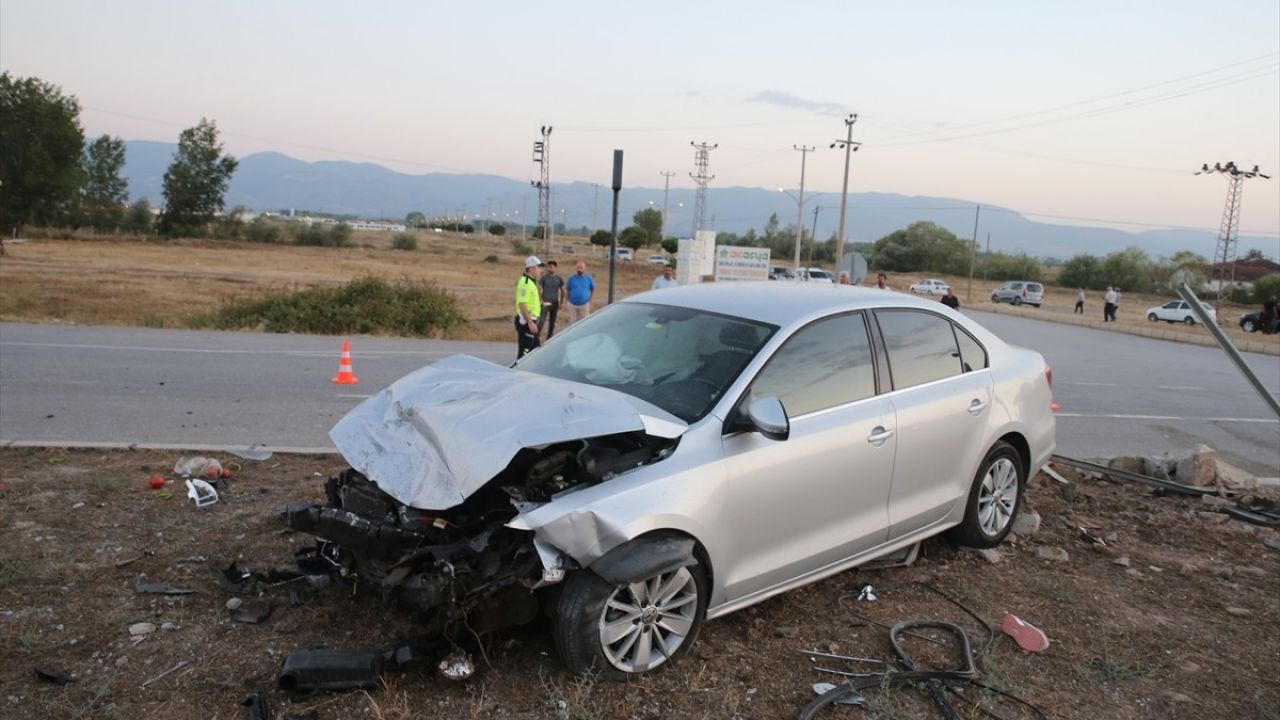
pixel 462 565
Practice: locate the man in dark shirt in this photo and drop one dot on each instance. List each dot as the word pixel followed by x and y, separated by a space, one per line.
pixel 552 287
pixel 950 300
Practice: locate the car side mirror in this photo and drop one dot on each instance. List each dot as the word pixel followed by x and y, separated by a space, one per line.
pixel 769 418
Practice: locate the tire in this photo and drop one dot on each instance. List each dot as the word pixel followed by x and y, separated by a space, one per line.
pixel 1248 326
pixel 1017 301
pixel 584 610
pixel 995 299
pixel 1151 317
pixel 1189 320
pixel 988 513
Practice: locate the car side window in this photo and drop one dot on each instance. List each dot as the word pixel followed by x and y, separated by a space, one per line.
pixel 972 355
pixel 825 364
pixel 922 347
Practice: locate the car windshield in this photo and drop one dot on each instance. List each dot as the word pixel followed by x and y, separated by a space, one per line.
pixel 679 359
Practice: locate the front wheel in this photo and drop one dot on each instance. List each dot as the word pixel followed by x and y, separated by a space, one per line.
pixel 995 299
pixel 626 631
pixel 1152 317
pixel 994 498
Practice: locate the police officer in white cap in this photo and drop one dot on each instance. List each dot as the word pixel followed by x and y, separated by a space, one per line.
pixel 528 307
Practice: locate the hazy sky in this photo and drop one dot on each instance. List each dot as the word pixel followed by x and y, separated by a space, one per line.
pixel 1078 110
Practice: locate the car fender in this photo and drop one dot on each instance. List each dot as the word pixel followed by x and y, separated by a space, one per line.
pixel 644 557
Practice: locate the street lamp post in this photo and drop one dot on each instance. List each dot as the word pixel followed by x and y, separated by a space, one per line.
pixel 849 147
pixel 799 201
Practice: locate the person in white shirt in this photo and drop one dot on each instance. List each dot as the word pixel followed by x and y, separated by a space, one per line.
pixel 666 281
pixel 1109 309
pixel 1080 303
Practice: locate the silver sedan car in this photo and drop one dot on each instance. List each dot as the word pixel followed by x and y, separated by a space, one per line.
pixel 678 456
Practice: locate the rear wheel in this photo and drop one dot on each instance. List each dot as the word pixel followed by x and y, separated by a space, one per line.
pixel 1189 320
pixel 1017 301
pixel 1248 326
pixel 626 631
pixel 994 498
pixel 995 299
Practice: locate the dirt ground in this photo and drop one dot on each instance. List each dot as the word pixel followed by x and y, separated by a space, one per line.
pixel 127 281
pixel 1176 616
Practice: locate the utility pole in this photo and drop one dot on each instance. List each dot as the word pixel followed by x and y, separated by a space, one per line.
pixel 986 263
pixel 973 259
pixel 613 233
pixel 666 189
pixel 701 159
pixel 813 235
pixel 524 223
pixel 542 156
pixel 595 206
pixel 849 147
pixel 804 156
pixel 1229 231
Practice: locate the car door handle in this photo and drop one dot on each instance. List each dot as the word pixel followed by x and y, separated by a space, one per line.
pixel 879 435
pixel 976 407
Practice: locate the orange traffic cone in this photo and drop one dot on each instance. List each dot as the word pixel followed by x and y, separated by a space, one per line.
pixel 345 376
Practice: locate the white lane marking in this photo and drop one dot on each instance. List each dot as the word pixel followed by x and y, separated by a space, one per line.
pixel 1156 387
pixel 213 351
pixel 1091 384
pixel 1179 387
pixel 1167 417
pixel 357 397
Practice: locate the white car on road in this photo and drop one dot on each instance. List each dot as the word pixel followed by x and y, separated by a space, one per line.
pixel 930 287
pixel 817 275
pixel 658 260
pixel 1179 311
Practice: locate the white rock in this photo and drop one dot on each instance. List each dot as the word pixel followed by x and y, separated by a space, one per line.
pixel 1055 554
pixel 142 628
pixel 1026 524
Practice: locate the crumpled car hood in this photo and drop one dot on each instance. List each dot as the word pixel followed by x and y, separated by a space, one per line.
pixel 438 434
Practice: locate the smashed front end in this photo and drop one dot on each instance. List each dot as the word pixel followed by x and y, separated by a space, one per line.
pixel 390 523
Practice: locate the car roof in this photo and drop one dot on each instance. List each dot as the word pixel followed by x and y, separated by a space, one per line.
pixel 779 303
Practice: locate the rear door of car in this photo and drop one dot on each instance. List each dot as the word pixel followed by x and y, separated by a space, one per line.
pixel 821 495
pixel 942 394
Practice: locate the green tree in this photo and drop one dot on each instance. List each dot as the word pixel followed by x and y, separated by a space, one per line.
pixel 1266 287
pixel 602 237
pixel 195 185
pixel 415 219
pixel 1129 269
pixel 671 245
pixel 650 220
pixel 40 147
pixel 1083 271
pixel 921 246
pixel 634 237
pixel 404 241
pixel 103 195
pixel 138 218
pixel 1254 255
pixel 498 229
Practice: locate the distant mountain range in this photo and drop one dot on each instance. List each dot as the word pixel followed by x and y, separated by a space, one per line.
pixel 272 181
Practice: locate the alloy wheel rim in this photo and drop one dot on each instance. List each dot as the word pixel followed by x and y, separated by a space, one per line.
pixel 998 497
pixel 644 623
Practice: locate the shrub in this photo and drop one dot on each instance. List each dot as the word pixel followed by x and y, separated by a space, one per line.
pixel 404 241
pixel 492 259
pixel 261 231
pixel 318 236
pixel 1266 287
pixel 364 306
pixel 497 229
pixel 520 247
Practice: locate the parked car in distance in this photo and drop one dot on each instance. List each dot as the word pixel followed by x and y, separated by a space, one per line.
pixel 658 260
pixel 930 287
pixel 1019 292
pixel 1176 311
pixel 778 272
pixel 1252 322
pixel 691 455
pixel 817 275
pixel 624 255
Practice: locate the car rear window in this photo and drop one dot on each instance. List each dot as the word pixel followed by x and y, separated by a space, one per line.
pixel 1034 287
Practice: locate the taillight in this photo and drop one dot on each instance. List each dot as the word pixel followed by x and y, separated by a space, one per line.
pixel 1048 376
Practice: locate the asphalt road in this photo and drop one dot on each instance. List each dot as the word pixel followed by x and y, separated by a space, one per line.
pixel 1120 394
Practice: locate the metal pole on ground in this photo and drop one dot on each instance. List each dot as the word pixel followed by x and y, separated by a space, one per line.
pixel 1230 348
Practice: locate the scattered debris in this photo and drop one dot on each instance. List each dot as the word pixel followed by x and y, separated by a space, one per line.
pixel 1026 524
pixel 1048 470
pixel 789 631
pixel 165 674
pixel 866 593
pixel 1028 636
pixel 1272 543
pixel 161 589
pixel 824 688
pixel 1122 561
pixel 250 453
pixel 257 708
pixel 234 604
pixel 991 555
pixel 201 493
pixel 252 612
pixel 457 666
pixel 339 670
pixel 130 561
pixel 1238 611
pixel 198 467
pixel 1055 554
pixel 1129 469
pixel 156 482
pixel 141 629
pixel 54 677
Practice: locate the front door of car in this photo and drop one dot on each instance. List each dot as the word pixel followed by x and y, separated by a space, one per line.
pixel 942 394
pixel 821 495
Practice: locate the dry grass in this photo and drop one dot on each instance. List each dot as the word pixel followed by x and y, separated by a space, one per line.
pixel 127 281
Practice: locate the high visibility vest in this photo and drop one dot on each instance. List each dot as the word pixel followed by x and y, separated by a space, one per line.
pixel 527 293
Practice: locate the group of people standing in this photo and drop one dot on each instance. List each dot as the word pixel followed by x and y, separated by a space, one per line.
pixel 540 293
pixel 1111 303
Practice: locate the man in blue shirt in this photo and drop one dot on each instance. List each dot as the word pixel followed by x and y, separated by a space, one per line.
pixel 580 289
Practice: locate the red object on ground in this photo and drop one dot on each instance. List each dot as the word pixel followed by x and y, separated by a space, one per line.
pixel 345 374
pixel 157 482
pixel 1028 636
pixel 226 473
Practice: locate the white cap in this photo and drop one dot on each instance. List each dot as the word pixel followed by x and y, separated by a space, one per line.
pixel 532 261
